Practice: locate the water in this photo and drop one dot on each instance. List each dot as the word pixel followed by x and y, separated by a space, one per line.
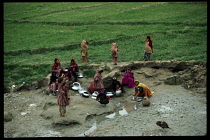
pixel 128 107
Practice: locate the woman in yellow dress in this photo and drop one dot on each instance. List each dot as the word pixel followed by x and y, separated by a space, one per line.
pixel 84 50
pixel 141 90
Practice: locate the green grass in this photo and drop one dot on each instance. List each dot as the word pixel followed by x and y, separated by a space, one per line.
pixel 178 31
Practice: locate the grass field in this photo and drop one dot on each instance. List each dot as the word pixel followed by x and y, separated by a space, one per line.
pixel 37 32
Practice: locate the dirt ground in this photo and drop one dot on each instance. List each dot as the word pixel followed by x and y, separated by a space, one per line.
pixel 35 113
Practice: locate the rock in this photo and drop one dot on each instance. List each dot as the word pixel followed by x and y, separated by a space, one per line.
pixel 173 80
pixel 8 116
pixel 145 102
pixel 157 83
pixel 200 90
pixel 34 86
pixel 42 83
pixel 7 89
pixel 22 87
pixel 107 79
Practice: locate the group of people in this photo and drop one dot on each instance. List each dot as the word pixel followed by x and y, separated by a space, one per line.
pixel 141 90
pixel 60 82
pixel 62 78
pixel 148 50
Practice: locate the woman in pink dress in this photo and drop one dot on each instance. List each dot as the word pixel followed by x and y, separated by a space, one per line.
pixel 128 78
pixel 97 83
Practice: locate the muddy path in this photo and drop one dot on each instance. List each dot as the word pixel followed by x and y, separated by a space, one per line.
pixel 35 113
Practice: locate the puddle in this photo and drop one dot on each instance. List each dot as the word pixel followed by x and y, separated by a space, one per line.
pixel 164 108
pixel 128 107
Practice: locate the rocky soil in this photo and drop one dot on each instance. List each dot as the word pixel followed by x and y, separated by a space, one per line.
pixel 179 99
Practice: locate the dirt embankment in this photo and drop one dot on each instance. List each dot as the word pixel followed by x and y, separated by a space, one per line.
pixel 179 99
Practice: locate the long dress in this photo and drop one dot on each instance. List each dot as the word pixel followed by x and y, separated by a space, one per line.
pixel 63 95
pixel 97 83
pixel 84 48
pixel 146 91
pixel 128 79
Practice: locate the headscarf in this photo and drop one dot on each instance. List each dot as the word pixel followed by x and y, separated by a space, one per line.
pixel 56 65
pixel 128 68
pixel 150 41
pixel 84 45
pixel 114 47
pixel 73 64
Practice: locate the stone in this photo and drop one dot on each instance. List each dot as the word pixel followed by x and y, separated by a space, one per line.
pixel 8 116
pixel 173 80
pixel 145 102
pixel 42 83
pixel 34 86
pixel 7 89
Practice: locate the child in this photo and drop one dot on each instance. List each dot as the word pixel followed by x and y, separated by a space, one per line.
pixel 63 96
pixel 114 51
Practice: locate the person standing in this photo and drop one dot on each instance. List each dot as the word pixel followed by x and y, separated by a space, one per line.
pixel 63 96
pixel 84 50
pixel 114 49
pixel 148 48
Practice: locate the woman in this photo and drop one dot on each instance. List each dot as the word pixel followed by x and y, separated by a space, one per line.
pixel 71 77
pixel 128 78
pixel 74 65
pixel 114 51
pixel 148 48
pixel 63 96
pixel 53 82
pixel 84 50
pixel 116 87
pixel 141 90
pixel 73 69
pixel 57 67
pixel 98 82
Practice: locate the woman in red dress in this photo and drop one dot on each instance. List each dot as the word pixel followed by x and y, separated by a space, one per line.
pixel 57 67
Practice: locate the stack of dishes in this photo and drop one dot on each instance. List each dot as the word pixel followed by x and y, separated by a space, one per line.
pixel 76 86
pixel 85 94
pixel 118 92
pixel 109 94
pixel 95 94
pixel 80 75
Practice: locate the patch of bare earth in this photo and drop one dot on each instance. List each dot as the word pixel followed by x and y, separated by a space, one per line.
pixel 179 100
